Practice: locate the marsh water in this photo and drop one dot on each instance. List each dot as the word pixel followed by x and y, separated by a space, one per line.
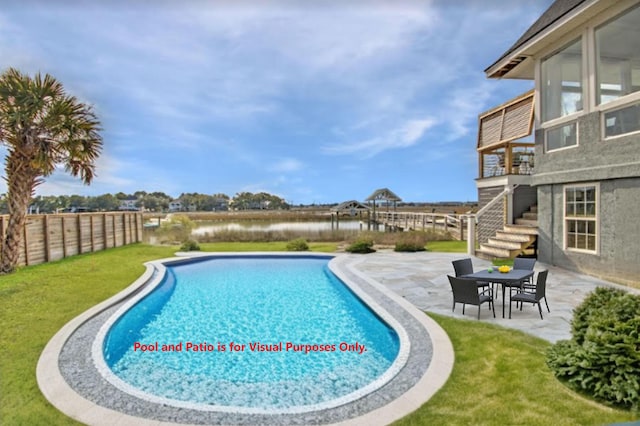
pixel 207 227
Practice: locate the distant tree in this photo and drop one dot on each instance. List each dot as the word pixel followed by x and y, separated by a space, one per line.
pixel 105 202
pixel 42 127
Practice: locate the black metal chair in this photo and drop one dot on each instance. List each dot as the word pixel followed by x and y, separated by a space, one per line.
pixel 533 297
pixel 465 291
pixel 464 267
pixel 528 264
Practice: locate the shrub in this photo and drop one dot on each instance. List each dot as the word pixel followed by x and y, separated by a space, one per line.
pixel 190 245
pixel 593 305
pixel 411 242
pixel 361 245
pixel 177 228
pixel 299 244
pixel 602 358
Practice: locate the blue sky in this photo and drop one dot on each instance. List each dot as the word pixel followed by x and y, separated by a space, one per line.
pixel 315 103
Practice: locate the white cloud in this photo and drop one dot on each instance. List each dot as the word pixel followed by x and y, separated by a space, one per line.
pixel 286 165
pixel 406 135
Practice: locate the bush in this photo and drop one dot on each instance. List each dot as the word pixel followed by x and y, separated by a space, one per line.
pixel 362 245
pixel 190 245
pixel 411 242
pixel 299 244
pixel 592 306
pixel 177 228
pixel 602 359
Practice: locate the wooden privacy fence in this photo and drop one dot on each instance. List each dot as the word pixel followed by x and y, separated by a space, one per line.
pixel 52 237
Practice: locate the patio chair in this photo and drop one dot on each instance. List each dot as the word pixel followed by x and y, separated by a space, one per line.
pixel 465 267
pixel 465 291
pixel 533 297
pixel 528 264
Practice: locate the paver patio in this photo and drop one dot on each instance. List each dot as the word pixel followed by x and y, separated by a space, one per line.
pixel 421 278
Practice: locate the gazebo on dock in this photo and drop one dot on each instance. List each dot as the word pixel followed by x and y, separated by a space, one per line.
pixel 351 207
pixel 384 195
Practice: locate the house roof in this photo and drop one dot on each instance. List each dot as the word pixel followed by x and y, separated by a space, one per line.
pixel 350 205
pixel 383 194
pixel 552 15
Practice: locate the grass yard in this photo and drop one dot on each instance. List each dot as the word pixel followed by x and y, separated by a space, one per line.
pixel 500 378
pixel 452 246
pixel 499 375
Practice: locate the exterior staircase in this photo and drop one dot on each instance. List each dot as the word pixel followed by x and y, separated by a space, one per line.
pixel 513 240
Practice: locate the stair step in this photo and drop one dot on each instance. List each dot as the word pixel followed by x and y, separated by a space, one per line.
pixel 530 216
pixel 529 222
pixel 509 236
pixel 510 245
pixel 497 251
pixel 521 229
pixel 533 209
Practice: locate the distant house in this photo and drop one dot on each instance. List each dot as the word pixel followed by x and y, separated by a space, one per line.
pixel 583 58
pixel 178 206
pixel 175 206
pixel 220 204
pixel 129 204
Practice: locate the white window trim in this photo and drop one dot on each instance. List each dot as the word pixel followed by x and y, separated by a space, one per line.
pixel 546 130
pixel 603 129
pixel 596 218
pixel 620 103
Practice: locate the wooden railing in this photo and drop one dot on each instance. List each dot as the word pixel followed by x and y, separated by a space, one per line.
pixel 453 223
pixel 493 162
pixel 52 237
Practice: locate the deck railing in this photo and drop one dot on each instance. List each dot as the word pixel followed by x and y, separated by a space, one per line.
pixel 494 162
pixel 453 223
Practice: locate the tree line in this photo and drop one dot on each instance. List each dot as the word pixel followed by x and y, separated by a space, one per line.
pixel 150 201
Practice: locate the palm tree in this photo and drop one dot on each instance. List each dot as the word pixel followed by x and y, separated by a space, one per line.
pixel 43 128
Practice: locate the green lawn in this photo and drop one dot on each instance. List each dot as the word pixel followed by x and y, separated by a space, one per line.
pixel 447 246
pixel 499 376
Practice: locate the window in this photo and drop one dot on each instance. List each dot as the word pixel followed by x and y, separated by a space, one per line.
pixel 621 121
pixel 562 136
pixel 618 57
pixel 581 218
pixel 562 82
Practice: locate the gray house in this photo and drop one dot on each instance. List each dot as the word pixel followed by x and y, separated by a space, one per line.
pixel 584 59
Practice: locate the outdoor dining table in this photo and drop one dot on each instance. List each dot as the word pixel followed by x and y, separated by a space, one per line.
pixel 510 278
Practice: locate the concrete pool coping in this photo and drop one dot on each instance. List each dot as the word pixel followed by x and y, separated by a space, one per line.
pixel 64 397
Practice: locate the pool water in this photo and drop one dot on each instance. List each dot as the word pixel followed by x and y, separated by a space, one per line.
pixel 265 332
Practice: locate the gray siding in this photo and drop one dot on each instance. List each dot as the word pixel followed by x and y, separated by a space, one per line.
pixel 492 220
pixel 593 159
pixel 615 165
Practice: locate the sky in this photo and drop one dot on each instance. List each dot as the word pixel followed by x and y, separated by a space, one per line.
pixel 316 102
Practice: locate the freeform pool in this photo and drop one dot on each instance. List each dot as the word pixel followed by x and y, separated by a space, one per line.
pixel 255 334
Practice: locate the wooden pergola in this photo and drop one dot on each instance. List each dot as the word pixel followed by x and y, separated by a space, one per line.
pixel 383 195
pixel 499 129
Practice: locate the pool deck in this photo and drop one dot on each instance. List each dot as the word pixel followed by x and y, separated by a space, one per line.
pixel 404 284
pixel 421 278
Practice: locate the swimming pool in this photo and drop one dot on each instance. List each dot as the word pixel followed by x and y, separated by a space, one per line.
pixel 255 334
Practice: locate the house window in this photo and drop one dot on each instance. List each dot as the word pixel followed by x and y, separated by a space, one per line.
pixel 618 57
pixel 562 136
pixel 562 82
pixel 580 218
pixel 622 121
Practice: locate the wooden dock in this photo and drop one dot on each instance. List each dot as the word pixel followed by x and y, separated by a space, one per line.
pixel 455 224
